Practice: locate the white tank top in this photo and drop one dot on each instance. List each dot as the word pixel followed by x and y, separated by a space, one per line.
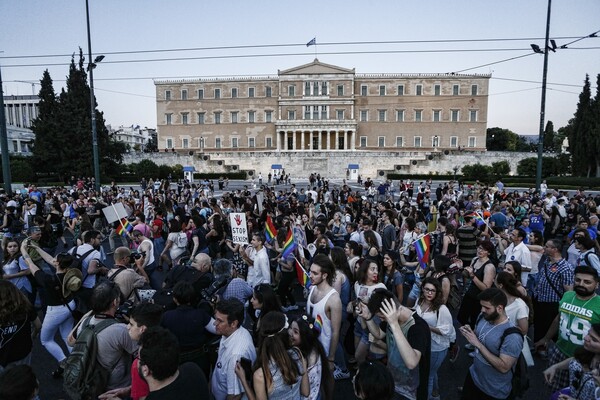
pixel 317 311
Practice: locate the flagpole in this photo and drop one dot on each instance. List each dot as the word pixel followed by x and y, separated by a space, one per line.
pixel 120 219
pixel 301 266
pixel 483 220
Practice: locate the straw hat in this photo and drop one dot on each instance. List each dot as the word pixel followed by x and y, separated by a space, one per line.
pixel 71 281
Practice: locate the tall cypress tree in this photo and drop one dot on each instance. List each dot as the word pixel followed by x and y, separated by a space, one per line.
pixel 595 128
pixel 46 149
pixel 579 133
pixel 549 137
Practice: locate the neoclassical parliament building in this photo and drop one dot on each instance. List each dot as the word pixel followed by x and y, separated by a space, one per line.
pixel 318 111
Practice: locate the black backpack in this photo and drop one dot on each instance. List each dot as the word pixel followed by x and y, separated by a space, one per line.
pixel 520 379
pixel 15 226
pixel 84 378
pixel 78 259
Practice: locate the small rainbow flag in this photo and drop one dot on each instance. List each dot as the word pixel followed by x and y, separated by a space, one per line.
pixel 125 227
pixel 319 323
pixel 289 245
pixel 302 276
pixel 423 246
pixel 270 230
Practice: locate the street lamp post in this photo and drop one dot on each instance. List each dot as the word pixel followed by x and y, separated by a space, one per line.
pixel 91 66
pixel 4 145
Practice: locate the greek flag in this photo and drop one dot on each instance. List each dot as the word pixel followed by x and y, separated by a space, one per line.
pixel 312 42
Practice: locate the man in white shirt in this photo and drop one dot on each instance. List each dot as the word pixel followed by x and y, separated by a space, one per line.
pixel 259 271
pixel 236 343
pixel 90 265
pixel 518 251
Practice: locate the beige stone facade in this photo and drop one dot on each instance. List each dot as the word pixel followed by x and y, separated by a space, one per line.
pixel 322 107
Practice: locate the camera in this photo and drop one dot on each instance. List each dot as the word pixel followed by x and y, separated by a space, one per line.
pixel 137 256
pixel 122 313
pixel 209 293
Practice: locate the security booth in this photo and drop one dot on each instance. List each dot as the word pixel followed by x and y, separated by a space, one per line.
pixel 352 172
pixel 188 173
pixel 276 169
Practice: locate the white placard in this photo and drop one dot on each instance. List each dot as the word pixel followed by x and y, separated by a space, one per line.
pixel 114 212
pixel 239 228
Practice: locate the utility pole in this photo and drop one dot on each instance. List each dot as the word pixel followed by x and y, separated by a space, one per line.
pixel 91 66
pixel 538 175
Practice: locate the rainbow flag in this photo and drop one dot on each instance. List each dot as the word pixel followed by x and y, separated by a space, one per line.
pixel 125 227
pixel 302 276
pixel 270 230
pixel 423 247
pixel 319 323
pixel 289 245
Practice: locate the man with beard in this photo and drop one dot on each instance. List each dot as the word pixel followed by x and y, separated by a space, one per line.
pixel 578 311
pixel 496 352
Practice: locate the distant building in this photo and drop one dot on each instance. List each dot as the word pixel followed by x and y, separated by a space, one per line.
pixel 134 136
pixel 322 107
pixel 20 111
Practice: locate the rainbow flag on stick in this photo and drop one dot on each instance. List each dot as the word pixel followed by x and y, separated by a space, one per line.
pixel 125 227
pixel 289 245
pixel 270 230
pixel 423 247
pixel 301 275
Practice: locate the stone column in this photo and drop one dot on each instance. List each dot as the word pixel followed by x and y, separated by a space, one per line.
pixel 337 136
pixel 302 145
pixel 328 138
pixel 310 143
pixel 353 140
pixel 293 140
pixel 320 145
pixel 277 134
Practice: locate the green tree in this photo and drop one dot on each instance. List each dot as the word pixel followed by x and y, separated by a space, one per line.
pixel 499 139
pixel 63 143
pixel 500 169
pixel 145 168
pixel 549 137
pixel 477 172
pixel 582 146
pixel 595 128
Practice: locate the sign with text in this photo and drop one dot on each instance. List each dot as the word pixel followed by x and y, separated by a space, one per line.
pixel 239 228
pixel 114 212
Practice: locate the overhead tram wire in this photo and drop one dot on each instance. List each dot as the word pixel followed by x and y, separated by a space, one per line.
pixel 234 56
pixel 237 47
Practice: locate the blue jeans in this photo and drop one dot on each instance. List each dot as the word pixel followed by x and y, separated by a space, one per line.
pixel 437 358
pixel 58 318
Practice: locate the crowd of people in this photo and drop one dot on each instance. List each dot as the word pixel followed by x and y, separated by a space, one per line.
pixel 383 283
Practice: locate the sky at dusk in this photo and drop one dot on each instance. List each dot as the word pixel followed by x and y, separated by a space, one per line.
pixel 156 39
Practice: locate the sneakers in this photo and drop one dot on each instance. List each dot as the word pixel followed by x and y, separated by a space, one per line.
pixel 453 352
pixel 338 374
pixel 469 347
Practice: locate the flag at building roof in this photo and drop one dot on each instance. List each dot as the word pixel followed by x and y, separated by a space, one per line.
pixel 270 230
pixel 301 275
pixel 313 42
pixel 124 227
pixel 289 245
pixel 423 247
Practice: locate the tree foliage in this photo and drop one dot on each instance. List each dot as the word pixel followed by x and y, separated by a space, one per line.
pixel 551 166
pixel 500 168
pixel 583 132
pixel 63 138
pixel 499 139
pixel 477 171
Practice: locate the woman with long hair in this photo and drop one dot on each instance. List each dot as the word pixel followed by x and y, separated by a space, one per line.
pixel 367 280
pixel 59 290
pixel 280 370
pixel 431 308
pixel 353 252
pixel 176 245
pixel 517 308
pixel 514 268
pixel 304 334
pixel 15 269
pixel 342 282
pixel 263 301
pixel 20 324
pixel 482 272
pixel 552 226
pixel 392 278
pixel 215 235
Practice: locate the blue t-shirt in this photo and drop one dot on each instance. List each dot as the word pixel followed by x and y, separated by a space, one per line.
pixel 487 378
pixel 536 222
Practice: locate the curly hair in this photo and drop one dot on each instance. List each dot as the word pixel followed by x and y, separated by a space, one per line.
pixel 274 343
pixel 13 303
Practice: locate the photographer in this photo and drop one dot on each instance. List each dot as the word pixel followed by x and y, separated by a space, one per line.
pixel 233 287
pixel 127 278
pixel 146 248
pixel 192 326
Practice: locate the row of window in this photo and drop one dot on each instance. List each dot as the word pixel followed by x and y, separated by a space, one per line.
pixel 217 93
pixel 322 113
pixel 417 142
pixel 321 88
